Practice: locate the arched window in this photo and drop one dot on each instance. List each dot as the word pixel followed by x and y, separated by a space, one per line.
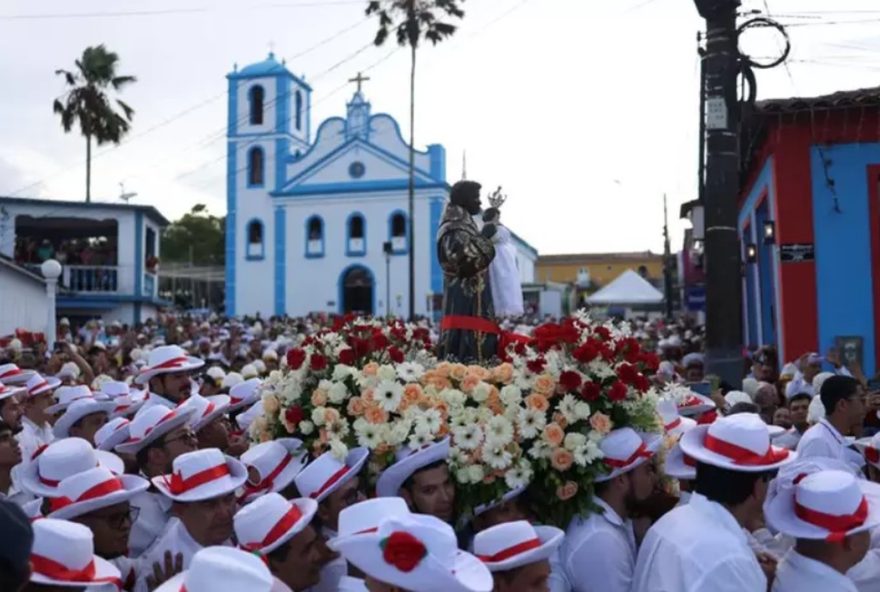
pixel 256 167
pixel 356 245
pixel 256 96
pixel 314 237
pixel 299 107
pixel 397 233
pixel 255 245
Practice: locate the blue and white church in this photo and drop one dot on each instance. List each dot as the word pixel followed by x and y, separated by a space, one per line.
pixel 317 218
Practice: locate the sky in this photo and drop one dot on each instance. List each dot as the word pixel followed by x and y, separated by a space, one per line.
pixel 586 112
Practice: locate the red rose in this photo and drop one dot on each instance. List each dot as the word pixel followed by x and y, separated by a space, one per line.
pixel 617 391
pixel 607 353
pixel 519 349
pixel 295 358
pixel 632 350
pixel 403 551
pixel 380 342
pixel 294 415
pixel 360 346
pixel 627 373
pixel 591 392
pixel 318 362
pixel 536 366
pixel 642 384
pixel 651 361
pixel 346 357
pixel 602 332
pixel 395 354
pixel 570 381
pixel 586 353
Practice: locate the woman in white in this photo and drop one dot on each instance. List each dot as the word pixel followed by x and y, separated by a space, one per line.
pixel 507 295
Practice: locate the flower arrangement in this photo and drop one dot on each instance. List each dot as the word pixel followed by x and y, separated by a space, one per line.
pixel 536 418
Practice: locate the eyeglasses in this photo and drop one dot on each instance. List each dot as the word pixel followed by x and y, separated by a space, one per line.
pixel 118 519
pixel 187 436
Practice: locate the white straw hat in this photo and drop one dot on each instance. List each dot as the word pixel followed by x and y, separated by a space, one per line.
pixel 12 375
pixel 63 554
pixel 92 490
pixel 66 395
pixel 326 474
pixel 694 404
pixel 7 391
pixel 201 475
pixel 678 466
pixel 364 517
pixel 271 521
pixel 272 466
pixel 168 359
pixel 870 449
pixel 244 394
pixel 509 496
pixel 205 409
pixel 78 410
pixel 222 569
pixel 738 442
pixel 625 449
pixel 249 371
pixel 112 433
pixel 408 463
pixel 62 458
pixel 152 423
pixel 38 384
pixel 516 544
pixel 231 379
pixel 673 423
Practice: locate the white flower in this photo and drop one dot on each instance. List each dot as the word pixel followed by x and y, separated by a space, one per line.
pixel 454 398
pixel 582 410
pixel 306 427
pixel 410 371
pixel 468 437
pixel 292 391
pixel 338 450
pixel 369 435
pixel 325 385
pixel 531 422
pixel 593 452
pixel 500 430
pixel 580 456
pixel 463 475
pixel 419 439
pixel 341 372
pixel 476 473
pixel 574 440
pixel 432 419
pixel 567 408
pixel 337 393
pixel 387 372
pixel 338 429
pixel 481 392
pixel 399 433
pixel 540 449
pixel 519 475
pixel 457 457
pixel 388 395
pixel 497 457
pixel 318 416
pixel 511 395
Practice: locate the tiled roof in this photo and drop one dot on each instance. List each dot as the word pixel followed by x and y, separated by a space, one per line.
pixel 838 100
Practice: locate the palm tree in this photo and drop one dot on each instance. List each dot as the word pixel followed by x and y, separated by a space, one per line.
pixel 412 21
pixel 88 103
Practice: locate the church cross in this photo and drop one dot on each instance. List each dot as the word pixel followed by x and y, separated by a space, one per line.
pixel 359 79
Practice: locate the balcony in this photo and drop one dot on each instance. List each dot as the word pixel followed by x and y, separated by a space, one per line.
pixel 89 279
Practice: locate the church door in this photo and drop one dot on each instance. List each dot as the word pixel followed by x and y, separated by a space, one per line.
pixel 357 291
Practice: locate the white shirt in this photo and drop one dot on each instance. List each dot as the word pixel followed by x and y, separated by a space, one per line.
pixel 866 573
pixel 697 547
pixel 822 439
pixel 176 540
pixel 789 439
pixel 153 399
pixel 599 552
pixel 797 573
pixel 16 493
pixel 333 572
pixel 154 512
pixel 32 436
pixel 348 584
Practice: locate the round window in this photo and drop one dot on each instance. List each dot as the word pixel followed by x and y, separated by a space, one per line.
pixel 357 169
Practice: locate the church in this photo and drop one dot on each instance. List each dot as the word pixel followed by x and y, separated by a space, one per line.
pixel 317 217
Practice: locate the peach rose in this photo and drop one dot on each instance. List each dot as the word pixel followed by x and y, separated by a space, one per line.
pixel 323 438
pixel 367 395
pixel 371 369
pixel 478 371
pixel 560 419
pixel 375 414
pixel 544 384
pixel 561 459
pixel 494 402
pixel 271 404
pixel 443 369
pixel 601 423
pixel 412 393
pixel 554 434
pixel 457 371
pixel 567 491
pixel 331 415
pixel 538 402
pixel 319 398
pixel 469 384
pixel 356 406
pixel 503 373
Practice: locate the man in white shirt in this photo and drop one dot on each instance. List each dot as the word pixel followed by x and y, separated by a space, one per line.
pixel 422 478
pixel 599 552
pixel 701 545
pixel 37 431
pixel 10 456
pixel 798 406
pixel 518 555
pixel 844 401
pixel 202 489
pixel 830 514
pixel 167 374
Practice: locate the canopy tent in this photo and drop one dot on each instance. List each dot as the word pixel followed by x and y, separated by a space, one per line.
pixel 627 288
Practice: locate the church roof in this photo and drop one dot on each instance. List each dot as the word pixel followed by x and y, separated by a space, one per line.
pixel 268 67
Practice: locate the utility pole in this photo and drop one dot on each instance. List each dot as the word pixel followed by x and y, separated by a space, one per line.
pixel 722 258
pixel 667 264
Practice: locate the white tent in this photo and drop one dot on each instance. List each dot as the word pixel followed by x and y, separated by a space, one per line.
pixel 629 288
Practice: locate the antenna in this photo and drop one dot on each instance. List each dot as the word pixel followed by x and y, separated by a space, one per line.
pixel 125 196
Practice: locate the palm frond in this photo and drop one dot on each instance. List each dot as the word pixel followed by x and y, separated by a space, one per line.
pixel 129 112
pixel 117 82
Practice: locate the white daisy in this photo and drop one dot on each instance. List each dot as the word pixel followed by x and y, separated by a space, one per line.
pixel 574 440
pixel 531 422
pixel 337 393
pixel 419 440
pixel 497 457
pixel 468 437
pixel 369 435
pixel 519 475
pixel 388 395
pixel 567 408
pixel 432 419
pixel 458 457
pixel 540 449
pixel 476 473
pixel 338 450
pixel 580 456
pixel 499 429
pixel 511 395
pixel 410 371
pixel 582 410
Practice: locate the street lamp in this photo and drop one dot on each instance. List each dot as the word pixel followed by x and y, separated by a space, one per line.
pixel 51 270
pixel 388 248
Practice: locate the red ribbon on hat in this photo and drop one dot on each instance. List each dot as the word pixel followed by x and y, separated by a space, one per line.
pixel 209 409
pixel 8 373
pixel 172 363
pixel 163 419
pixel 744 456
pixel 38 387
pixel 99 490
pixel 177 484
pixel 708 417
pixel 330 482
pixel 641 452
pixel 290 518
pixel 267 483
pixel 688 460
pixel 673 424
pixel 51 569
pixel 511 551
pixel 837 525
pixel 872 455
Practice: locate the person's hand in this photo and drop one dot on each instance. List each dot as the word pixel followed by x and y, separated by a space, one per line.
pixel 172 567
pixel 768 566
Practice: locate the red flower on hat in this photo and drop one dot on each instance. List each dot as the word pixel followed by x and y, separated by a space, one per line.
pixel 295 358
pixel 403 551
pixel 318 362
pixel 395 354
pixel 617 392
pixel 294 415
pixel 346 357
pixel 570 381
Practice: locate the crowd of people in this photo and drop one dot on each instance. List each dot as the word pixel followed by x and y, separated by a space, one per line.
pixel 125 464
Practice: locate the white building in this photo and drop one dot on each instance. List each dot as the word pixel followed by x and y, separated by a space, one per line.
pixel 23 299
pixel 109 254
pixel 309 213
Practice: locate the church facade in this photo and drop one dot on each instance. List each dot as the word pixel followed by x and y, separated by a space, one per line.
pixel 317 218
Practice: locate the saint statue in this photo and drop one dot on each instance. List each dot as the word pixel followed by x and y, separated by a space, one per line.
pixel 468 329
